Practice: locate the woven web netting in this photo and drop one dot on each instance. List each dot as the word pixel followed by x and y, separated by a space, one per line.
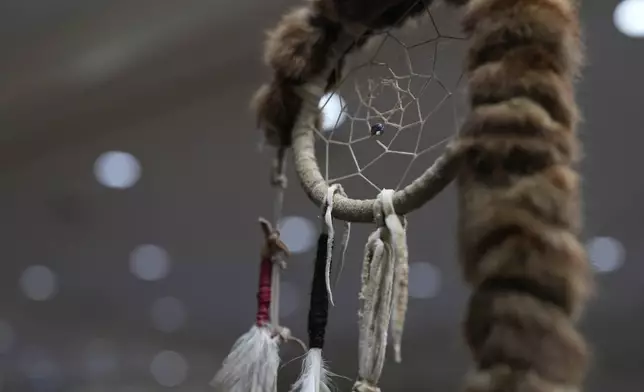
pixel 399 103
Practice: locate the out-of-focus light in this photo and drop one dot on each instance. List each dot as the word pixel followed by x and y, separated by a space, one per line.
pixel 117 169
pixel 38 283
pixel 606 254
pixel 168 314
pixel 333 111
pixel 629 18
pixel 424 280
pixel 169 368
pixel 298 233
pixel 149 262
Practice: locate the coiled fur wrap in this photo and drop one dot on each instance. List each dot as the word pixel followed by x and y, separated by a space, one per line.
pixel 519 201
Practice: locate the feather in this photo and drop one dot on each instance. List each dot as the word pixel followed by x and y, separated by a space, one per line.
pixel 315 376
pixel 252 364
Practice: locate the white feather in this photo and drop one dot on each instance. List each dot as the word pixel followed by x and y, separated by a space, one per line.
pixel 315 376
pixel 252 364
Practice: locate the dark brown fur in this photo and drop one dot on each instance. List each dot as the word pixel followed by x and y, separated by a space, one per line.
pixel 274 105
pixel 297 49
pixel 380 14
pixel 520 199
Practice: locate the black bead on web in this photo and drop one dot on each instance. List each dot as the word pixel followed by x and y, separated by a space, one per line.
pixel 377 129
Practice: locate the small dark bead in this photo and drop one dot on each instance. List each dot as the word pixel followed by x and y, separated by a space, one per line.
pixel 377 129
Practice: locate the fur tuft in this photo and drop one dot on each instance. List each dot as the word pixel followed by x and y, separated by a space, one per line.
pixel 275 105
pixel 290 45
pixel 315 376
pixel 520 198
pixel 252 364
pixel 297 49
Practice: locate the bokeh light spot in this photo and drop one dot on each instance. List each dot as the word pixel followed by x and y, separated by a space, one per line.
pixel 117 169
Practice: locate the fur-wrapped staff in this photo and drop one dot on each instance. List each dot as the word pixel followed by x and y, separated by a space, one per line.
pixel 315 376
pixel 253 362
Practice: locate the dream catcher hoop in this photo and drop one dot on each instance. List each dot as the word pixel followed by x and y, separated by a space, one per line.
pixel 513 158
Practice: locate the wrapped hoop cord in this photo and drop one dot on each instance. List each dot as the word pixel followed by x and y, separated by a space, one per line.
pixel 412 197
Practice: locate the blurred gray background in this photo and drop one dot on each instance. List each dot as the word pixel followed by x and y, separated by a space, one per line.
pixel 131 184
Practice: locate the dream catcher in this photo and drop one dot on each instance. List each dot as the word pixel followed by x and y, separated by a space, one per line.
pixel 513 159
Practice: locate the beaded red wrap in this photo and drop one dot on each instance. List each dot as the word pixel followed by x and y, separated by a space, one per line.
pixel 264 291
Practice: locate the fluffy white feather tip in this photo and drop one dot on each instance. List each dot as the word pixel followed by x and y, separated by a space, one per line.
pixel 252 364
pixel 315 376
